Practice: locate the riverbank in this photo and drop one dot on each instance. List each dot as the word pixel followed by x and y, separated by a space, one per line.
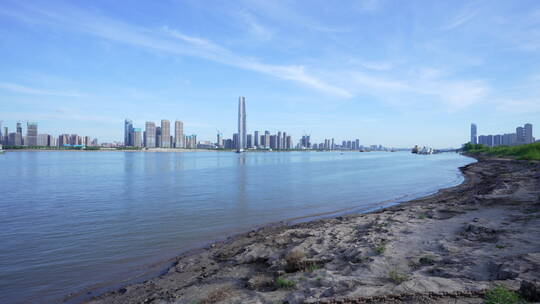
pixel 448 247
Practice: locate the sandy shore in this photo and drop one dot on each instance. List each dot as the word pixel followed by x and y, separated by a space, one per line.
pixel 446 248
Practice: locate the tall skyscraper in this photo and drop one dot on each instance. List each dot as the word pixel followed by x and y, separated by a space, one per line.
pixel 165 139
pixel 31 134
pixel 63 140
pixel 6 134
pixel 528 128
pixel 150 135
pixel 520 133
pixel 474 138
pixel 179 134
pixel 128 128
pixel 278 140
pixel 242 130
pixel 256 139
pixel 219 138
pixel 267 139
pixel 249 141
pixel 136 137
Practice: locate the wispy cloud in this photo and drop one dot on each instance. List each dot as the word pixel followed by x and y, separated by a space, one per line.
pixel 161 40
pixel 255 28
pixel 370 5
pixel 17 88
pixel 466 15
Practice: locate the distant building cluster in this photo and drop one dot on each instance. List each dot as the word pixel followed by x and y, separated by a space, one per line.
pixel 523 135
pixel 242 141
pixel 158 136
pixel 33 139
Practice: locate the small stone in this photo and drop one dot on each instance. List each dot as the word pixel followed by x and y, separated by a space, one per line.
pixel 530 291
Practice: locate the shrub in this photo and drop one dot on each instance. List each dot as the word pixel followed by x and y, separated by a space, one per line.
pixel 284 283
pixel 501 295
pixel 396 276
pixel 379 249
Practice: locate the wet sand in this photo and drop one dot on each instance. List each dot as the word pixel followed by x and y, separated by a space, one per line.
pixel 449 247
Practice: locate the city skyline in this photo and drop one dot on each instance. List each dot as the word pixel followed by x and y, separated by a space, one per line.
pixel 395 73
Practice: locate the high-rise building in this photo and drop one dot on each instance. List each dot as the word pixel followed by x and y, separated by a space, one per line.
pixel 165 138
pixel 6 134
pixel 242 129
pixel 136 138
pixel 249 141
pixel 305 142
pixel 219 140
pixel 267 139
pixel 520 133
pixel 128 129
pixel 497 140
pixel 288 142
pixel 235 140
pixel 256 139
pixel 43 140
pixel 31 134
pixel 75 140
pixel 150 135
pixel 278 141
pixel 273 141
pixel 63 140
pixel 179 134
pixel 528 130
pixel 474 138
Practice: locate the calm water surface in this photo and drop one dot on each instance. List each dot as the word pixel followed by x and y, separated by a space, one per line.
pixel 74 220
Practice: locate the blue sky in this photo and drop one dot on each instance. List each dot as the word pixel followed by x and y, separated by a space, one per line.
pixel 396 73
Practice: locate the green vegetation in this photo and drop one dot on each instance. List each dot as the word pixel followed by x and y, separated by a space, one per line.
pixel 396 276
pixel 129 148
pixel 379 249
pixel 312 268
pixel 284 283
pixel 501 295
pixel 422 216
pixel 522 152
pixel 500 246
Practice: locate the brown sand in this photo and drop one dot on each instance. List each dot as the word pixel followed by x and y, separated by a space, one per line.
pixel 446 248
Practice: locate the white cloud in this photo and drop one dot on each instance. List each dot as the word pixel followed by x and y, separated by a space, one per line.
pixel 370 5
pixel 466 15
pixel 255 28
pixel 160 40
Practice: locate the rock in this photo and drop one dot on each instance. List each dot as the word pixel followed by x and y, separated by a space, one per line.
pixel 261 283
pixel 530 291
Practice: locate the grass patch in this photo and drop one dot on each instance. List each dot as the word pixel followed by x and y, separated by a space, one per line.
pixel 397 277
pixel 379 249
pixel 422 216
pixel 522 152
pixel 500 246
pixel 284 283
pixel 312 268
pixel 501 295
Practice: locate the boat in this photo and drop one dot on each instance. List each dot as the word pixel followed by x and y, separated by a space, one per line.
pixel 424 151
